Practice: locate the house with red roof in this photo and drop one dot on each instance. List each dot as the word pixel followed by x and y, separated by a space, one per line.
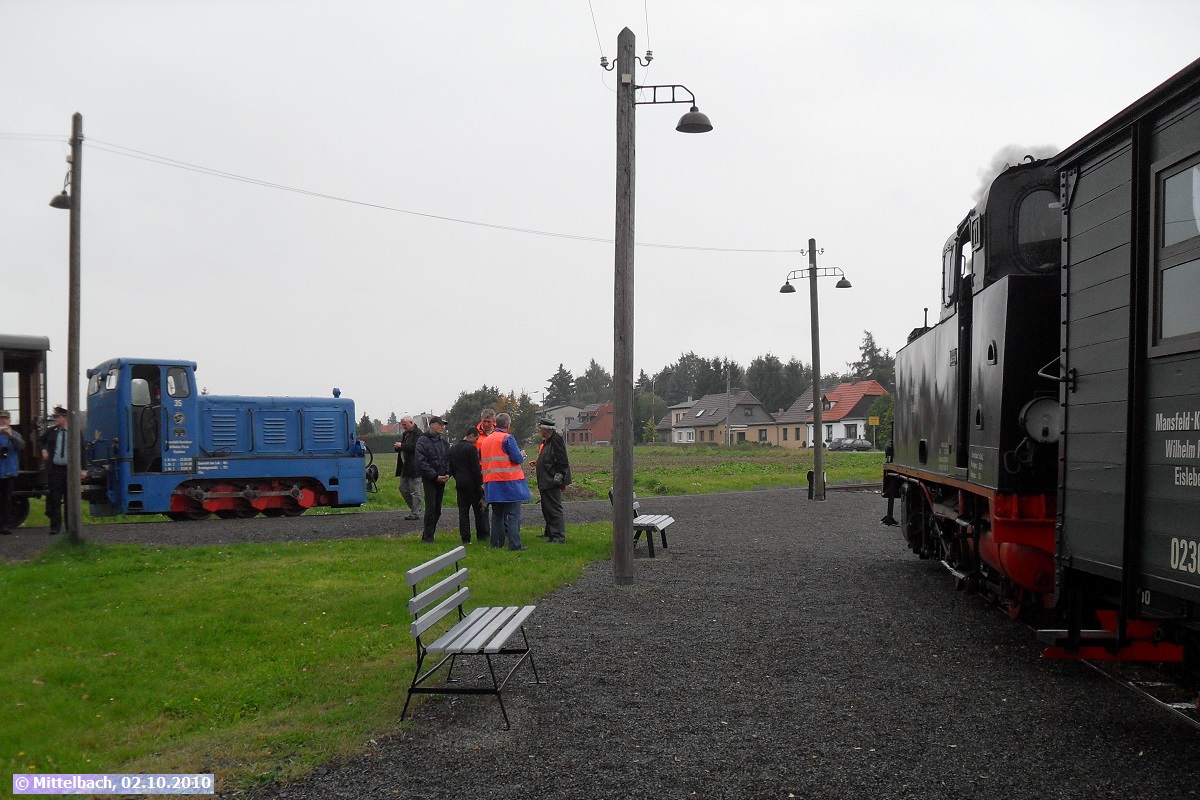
pixel 593 425
pixel 844 408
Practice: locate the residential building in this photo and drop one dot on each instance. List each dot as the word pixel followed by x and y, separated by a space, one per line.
pixel 674 414
pixel 562 415
pixel 735 416
pixel 844 408
pixel 592 425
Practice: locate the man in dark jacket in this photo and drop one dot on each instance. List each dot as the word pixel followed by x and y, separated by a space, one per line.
pixel 553 473
pixel 54 456
pixel 468 482
pixel 406 467
pixel 433 465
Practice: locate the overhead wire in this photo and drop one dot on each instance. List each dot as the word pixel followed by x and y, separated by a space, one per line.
pixel 141 155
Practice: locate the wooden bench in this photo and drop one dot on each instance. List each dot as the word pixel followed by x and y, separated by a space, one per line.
pixel 649 524
pixel 482 632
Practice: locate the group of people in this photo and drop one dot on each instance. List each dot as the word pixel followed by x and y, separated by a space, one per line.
pixel 487 467
pixel 53 444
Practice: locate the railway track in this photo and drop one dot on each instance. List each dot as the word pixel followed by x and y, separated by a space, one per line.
pixel 1154 684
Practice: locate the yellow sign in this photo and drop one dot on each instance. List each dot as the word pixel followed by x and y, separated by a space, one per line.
pixel 872 420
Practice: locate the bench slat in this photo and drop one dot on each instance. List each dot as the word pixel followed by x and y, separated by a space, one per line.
pixel 437 590
pixel 485 634
pixel 423 571
pixel 463 624
pixel 653 521
pixel 433 615
pixel 452 640
pixel 514 624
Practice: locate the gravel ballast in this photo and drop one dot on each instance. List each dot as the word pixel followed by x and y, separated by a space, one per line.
pixel 781 647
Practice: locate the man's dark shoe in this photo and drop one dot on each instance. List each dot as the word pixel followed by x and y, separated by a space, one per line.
pixel 5 532
pixel 413 515
pixel 54 533
pixel 427 541
pixel 522 547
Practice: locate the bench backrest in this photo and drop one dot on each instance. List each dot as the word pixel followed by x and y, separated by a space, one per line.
pixel 636 504
pixel 449 593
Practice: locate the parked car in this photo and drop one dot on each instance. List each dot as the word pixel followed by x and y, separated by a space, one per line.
pixel 851 444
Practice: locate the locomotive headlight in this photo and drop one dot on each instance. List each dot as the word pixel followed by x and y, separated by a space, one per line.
pixel 1042 419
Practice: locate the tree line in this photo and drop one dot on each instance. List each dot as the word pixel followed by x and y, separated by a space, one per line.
pixel 775 383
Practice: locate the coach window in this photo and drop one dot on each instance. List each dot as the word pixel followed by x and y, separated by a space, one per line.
pixel 177 382
pixel 1177 256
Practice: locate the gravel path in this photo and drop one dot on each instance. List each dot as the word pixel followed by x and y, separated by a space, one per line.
pixel 781 648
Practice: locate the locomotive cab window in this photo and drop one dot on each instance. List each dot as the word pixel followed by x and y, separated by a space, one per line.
pixel 1176 317
pixel 177 382
pixel 1038 231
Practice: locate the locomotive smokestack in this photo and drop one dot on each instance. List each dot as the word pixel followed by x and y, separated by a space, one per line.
pixel 1006 157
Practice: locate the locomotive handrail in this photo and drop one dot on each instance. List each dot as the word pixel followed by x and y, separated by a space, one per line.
pixel 1068 377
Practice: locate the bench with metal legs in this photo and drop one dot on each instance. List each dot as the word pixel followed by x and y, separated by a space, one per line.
pixel 487 632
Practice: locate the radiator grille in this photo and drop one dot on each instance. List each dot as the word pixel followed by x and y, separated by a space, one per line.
pixel 224 429
pixel 275 432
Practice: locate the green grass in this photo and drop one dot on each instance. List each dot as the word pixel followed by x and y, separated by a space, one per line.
pixel 254 662
pixel 699 469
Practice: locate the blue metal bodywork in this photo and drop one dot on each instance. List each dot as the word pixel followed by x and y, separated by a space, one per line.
pixel 155 445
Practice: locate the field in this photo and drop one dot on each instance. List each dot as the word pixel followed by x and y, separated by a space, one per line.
pixel 658 470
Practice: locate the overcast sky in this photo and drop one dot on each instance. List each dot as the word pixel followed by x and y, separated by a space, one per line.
pixel 864 125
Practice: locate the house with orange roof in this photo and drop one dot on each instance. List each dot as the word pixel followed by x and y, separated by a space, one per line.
pixel 844 408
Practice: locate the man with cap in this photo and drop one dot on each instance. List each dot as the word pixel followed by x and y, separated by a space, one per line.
pixel 433 464
pixel 11 445
pixel 553 473
pixel 468 483
pixel 54 445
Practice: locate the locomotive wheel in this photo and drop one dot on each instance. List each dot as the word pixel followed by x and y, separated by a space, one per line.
pixel 186 516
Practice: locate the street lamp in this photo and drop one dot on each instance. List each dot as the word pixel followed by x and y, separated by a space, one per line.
pixel 812 273
pixel 691 122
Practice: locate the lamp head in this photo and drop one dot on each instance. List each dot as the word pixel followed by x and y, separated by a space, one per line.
pixel 843 283
pixel 694 122
pixel 787 288
pixel 62 200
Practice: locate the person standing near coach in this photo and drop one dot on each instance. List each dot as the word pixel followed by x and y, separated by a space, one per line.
pixel 468 483
pixel 433 464
pixel 504 483
pixel 553 473
pixel 11 445
pixel 406 467
pixel 54 455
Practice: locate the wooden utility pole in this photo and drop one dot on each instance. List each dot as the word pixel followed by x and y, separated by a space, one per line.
pixel 74 520
pixel 622 442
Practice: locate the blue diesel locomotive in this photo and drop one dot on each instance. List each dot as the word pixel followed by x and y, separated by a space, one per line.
pixel 153 444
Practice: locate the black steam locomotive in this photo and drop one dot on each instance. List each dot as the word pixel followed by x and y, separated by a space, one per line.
pixel 1047 427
